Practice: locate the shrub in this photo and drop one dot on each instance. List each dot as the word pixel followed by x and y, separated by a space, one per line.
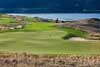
pixel 69 35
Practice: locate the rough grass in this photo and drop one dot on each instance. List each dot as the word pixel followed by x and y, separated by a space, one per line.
pixel 6 20
pixel 75 32
pixel 30 60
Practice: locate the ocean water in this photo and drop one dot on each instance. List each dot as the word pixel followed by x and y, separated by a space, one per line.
pixel 63 16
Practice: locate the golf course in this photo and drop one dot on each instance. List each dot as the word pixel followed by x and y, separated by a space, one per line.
pixel 46 42
pixel 45 39
pixel 38 37
pixel 38 42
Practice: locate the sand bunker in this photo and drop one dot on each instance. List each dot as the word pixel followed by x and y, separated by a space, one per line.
pixel 78 39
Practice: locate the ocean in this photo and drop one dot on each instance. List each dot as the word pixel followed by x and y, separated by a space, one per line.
pixel 62 16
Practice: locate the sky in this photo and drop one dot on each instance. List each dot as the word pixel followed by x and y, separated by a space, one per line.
pixel 50 6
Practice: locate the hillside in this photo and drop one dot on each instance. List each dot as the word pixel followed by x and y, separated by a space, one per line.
pixel 88 25
pixel 11 22
pixel 91 26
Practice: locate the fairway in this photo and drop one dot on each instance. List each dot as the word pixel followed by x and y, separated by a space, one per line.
pixel 45 42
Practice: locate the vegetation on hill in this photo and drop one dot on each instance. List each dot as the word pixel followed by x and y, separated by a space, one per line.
pixel 7 20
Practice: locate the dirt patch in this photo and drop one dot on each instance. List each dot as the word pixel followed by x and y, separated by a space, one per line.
pixel 29 60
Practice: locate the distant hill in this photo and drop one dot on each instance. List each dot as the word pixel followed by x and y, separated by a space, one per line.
pixel 88 25
pixel 91 26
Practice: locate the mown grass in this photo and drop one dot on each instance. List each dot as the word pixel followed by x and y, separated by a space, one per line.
pixel 43 26
pixel 40 26
pixel 45 42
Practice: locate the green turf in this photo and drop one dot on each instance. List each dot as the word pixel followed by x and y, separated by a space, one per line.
pixel 44 26
pixel 7 20
pixel 40 26
pixel 46 42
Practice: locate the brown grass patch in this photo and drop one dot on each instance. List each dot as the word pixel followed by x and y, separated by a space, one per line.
pixel 29 60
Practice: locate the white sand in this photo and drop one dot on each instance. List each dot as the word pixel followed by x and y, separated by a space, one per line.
pixel 78 39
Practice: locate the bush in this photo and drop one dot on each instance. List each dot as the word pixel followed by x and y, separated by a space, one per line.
pixel 69 35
